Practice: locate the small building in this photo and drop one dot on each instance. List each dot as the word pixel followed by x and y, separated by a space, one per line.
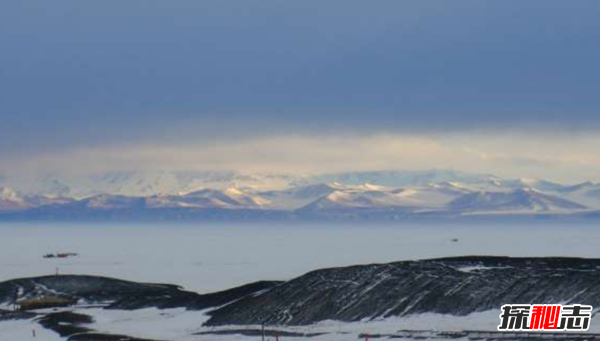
pixel 44 302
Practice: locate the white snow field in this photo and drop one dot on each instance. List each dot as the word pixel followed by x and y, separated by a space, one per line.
pixel 182 325
pixel 24 329
pixel 211 257
pixel 178 324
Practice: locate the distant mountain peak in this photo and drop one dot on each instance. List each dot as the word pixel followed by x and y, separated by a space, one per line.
pixel 8 194
pixel 518 200
pixel 392 194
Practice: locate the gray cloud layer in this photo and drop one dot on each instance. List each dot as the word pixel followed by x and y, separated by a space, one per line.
pixel 83 73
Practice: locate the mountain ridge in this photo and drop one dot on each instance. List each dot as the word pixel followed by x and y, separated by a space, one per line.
pixel 475 195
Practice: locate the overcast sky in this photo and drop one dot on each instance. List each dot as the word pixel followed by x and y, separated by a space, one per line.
pixel 99 76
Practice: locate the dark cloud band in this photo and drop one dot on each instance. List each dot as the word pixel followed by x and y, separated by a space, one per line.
pixel 77 73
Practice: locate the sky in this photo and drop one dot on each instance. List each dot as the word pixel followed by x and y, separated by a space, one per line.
pixel 507 87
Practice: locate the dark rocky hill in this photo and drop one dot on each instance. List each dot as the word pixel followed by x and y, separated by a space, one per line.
pixel 456 286
pixel 119 294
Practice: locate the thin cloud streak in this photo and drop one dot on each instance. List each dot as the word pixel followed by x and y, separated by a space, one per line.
pixel 560 157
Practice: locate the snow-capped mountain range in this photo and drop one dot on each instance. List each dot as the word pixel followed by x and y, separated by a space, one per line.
pixel 144 183
pixel 372 195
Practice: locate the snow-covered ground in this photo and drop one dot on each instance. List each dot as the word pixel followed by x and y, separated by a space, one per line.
pixel 182 325
pixel 24 329
pixel 179 324
pixel 169 324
